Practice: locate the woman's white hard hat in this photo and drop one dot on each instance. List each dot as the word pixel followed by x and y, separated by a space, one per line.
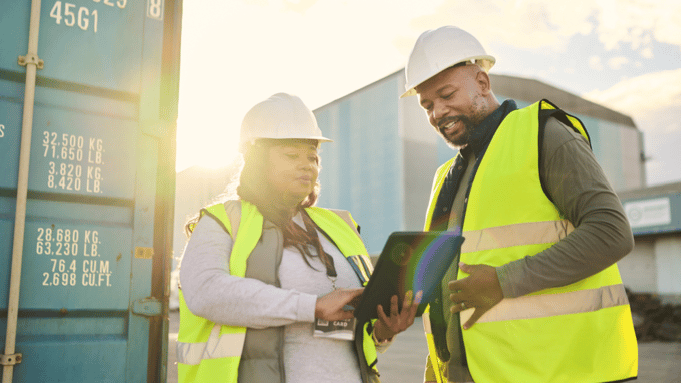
pixel 281 116
pixel 438 49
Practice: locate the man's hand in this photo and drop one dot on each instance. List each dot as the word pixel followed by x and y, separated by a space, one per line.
pixel 479 290
pixel 388 326
pixel 330 307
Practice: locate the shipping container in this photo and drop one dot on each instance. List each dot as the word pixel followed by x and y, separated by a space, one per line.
pixel 88 111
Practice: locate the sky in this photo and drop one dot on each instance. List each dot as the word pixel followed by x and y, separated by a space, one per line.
pixel 623 54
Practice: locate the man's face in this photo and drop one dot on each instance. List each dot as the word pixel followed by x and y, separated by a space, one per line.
pixel 454 102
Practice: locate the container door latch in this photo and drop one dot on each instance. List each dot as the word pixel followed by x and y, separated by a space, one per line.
pixel 148 307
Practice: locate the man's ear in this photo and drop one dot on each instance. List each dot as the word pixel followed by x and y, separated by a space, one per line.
pixel 483 81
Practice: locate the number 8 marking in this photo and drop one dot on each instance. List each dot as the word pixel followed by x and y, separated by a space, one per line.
pixel 155 9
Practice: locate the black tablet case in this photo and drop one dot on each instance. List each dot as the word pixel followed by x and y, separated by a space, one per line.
pixel 410 260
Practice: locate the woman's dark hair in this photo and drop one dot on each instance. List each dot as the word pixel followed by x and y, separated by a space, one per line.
pixel 253 186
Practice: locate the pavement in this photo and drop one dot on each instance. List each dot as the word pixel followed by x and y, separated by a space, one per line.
pixel 659 362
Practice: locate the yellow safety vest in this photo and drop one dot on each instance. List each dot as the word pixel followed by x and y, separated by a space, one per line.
pixel 209 352
pixel 582 332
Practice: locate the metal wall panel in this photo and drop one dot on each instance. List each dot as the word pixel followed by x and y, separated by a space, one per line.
pixel 98 228
pixel 639 268
pixel 355 164
pixel 362 170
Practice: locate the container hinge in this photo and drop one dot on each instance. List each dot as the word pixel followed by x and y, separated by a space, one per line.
pixel 31 59
pixel 10 360
pixel 148 307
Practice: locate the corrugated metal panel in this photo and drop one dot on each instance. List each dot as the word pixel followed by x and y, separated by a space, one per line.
pixel 100 194
pixel 363 168
pixel 362 125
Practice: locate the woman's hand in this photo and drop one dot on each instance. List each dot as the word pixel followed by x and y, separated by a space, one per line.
pixel 330 306
pixel 388 326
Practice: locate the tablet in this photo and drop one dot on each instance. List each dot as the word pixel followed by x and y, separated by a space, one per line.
pixel 410 260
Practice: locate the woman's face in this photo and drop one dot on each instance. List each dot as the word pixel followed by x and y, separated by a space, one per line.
pixel 294 167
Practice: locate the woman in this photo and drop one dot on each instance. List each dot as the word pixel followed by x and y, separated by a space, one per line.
pixel 268 281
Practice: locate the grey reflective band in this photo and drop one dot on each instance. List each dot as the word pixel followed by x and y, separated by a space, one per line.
pixel 217 346
pixel 549 305
pixel 500 237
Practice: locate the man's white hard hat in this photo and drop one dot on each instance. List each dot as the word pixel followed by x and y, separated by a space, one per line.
pixel 438 49
pixel 281 116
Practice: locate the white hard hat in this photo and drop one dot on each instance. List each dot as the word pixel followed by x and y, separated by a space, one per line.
pixel 281 116
pixel 438 49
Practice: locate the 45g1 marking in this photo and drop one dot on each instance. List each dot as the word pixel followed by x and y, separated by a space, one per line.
pixel 70 18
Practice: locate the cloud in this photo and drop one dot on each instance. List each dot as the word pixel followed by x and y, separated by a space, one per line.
pixel 616 63
pixel 535 24
pixel 644 95
pixel 595 63
pixel 320 49
pixel 647 53
pixel 636 22
pixel 528 24
pixel 654 102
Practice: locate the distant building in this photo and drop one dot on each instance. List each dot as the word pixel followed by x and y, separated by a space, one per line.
pixel 654 266
pixel 381 164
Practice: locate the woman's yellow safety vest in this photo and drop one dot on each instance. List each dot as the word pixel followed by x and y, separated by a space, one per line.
pixel 209 352
pixel 582 332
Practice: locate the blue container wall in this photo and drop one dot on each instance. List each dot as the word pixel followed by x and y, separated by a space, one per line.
pixel 103 112
pixel 362 170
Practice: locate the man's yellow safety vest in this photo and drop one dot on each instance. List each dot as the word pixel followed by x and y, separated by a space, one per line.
pixel 582 332
pixel 210 352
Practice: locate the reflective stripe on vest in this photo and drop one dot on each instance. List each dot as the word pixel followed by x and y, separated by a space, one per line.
pixel 217 346
pixel 529 233
pixel 434 361
pixel 580 332
pixel 548 305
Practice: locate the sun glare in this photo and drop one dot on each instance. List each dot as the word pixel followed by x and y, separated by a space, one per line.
pixel 204 145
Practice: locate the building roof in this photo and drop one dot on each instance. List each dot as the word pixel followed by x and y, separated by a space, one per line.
pixel 531 90
pixel 651 191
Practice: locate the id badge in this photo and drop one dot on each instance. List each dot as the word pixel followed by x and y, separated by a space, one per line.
pixel 339 329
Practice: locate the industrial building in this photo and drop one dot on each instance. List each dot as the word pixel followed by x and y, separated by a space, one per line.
pixel 381 164
pixel 385 153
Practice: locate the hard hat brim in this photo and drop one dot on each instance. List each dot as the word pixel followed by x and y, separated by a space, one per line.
pixel 486 62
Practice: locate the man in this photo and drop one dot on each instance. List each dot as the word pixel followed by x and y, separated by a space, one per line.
pixel 536 295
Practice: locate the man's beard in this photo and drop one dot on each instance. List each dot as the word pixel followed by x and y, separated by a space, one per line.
pixel 463 139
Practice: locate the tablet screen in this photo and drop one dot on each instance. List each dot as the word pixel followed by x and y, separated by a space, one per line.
pixel 410 260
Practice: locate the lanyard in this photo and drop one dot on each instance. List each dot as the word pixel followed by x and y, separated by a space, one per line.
pixel 326 258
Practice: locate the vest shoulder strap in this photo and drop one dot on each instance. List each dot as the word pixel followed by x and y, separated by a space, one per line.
pixel 548 109
pixel 345 215
pixel 227 214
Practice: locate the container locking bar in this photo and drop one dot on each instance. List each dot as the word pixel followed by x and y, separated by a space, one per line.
pixel 148 307
pixel 10 360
